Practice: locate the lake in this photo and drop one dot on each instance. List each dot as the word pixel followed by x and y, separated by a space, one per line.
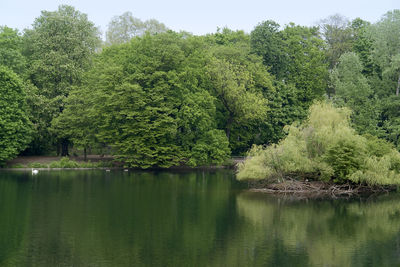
pixel 185 218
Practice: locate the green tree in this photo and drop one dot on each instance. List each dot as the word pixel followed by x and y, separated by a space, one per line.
pixel 266 41
pixel 124 27
pixel 59 48
pixel 362 44
pixel 15 127
pixel 295 56
pixel 391 119
pixel 11 50
pixel 76 123
pixel 386 47
pixel 307 69
pixel 338 36
pixel 352 90
pixel 150 101
pixel 233 86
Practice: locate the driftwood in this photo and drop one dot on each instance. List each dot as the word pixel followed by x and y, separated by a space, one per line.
pixel 312 189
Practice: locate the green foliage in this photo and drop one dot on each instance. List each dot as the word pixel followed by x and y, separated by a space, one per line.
pixel 325 147
pixel 11 50
pixel 59 49
pixel 267 42
pixel 362 44
pixel 345 158
pixel 352 90
pixel 212 148
pixel 385 52
pixel 295 55
pixel 37 165
pixel 150 100
pixel 307 69
pixel 17 166
pixel 64 162
pixel 233 86
pixel 338 36
pixel 391 119
pixel 228 37
pixel 377 147
pixel 15 127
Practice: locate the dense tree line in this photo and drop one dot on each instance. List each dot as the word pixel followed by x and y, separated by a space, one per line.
pixel 162 98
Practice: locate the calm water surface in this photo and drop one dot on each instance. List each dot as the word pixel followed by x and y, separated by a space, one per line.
pixel 197 218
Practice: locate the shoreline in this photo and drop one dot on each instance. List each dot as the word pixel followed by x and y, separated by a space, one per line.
pixel 103 162
pixel 174 168
pixel 317 189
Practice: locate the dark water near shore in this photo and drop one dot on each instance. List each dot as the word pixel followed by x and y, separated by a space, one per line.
pixel 196 218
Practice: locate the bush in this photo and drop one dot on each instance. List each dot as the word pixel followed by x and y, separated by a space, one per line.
pixel 17 166
pixel 212 148
pixel 15 127
pixel 64 162
pixel 37 165
pixel 345 158
pixel 327 148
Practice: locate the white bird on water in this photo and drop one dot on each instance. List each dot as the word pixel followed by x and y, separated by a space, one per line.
pixel 34 171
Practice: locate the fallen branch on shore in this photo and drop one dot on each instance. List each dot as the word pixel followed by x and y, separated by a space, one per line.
pixel 316 188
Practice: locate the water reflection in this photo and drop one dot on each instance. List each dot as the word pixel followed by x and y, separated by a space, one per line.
pixel 94 218
pixel 324 232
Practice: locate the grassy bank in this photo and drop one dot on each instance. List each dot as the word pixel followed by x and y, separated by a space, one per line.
pixel 93 162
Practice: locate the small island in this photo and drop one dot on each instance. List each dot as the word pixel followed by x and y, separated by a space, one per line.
pixel 323 156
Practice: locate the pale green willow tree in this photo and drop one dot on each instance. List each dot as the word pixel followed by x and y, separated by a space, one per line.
pixel 124 27
pixel 59 48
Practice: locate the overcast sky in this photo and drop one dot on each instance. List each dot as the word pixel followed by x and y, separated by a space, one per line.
pixel 201 16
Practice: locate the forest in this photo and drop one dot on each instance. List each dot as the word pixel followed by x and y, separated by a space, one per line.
pixel 155 97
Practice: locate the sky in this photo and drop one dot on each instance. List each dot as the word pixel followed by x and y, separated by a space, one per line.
pixel 200 17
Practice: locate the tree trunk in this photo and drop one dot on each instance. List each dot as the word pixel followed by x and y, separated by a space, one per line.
pixel 84 154
pixel 229 126
pixel 398 87
pixel 64 148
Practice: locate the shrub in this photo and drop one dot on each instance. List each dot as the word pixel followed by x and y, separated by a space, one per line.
pixel 345 158
pixel 64 162
pixel 212 148
pixel 327 148
pixel 17 166
pixel 37 165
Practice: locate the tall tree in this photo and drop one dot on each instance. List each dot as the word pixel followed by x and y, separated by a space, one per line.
pixel 306 67
pixel 362 44
pixel 11 50
pixel 15 127
pixel 266 41
pixel 352 90
pixel 386 50
pixel 239 80
pixel 124 27
pixel 149 100
pixel 338 35
pixel 59 48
